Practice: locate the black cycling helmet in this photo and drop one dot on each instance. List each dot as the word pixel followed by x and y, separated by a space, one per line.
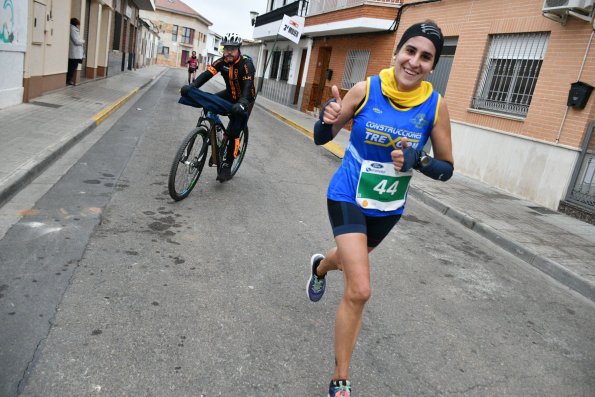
pixel 231 40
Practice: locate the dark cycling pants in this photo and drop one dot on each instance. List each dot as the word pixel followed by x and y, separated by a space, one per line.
pixel 236 125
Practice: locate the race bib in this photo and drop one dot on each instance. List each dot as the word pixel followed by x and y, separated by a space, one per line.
pixel 381 187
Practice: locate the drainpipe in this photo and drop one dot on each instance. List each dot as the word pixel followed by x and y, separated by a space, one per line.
pixel 395 25
pixel 577 79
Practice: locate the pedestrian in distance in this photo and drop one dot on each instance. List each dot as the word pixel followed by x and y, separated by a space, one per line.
pixel 192 63
pixel 238 72
pixel 76 51
pixel 394 114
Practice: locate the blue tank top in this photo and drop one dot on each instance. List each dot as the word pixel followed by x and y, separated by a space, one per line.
pixel 378 127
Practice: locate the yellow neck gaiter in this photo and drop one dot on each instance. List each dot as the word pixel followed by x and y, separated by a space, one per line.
pixel 407 99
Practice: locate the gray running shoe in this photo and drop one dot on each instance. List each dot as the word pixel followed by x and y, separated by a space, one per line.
pixel 316 284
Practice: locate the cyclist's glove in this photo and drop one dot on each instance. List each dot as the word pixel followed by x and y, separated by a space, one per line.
pixel 184 90
pixel 238 108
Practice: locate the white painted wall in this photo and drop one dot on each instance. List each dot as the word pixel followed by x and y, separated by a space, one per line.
pixel 530 169
pixel 13 45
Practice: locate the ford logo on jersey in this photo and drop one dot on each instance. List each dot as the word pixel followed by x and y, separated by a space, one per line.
pixel 377 165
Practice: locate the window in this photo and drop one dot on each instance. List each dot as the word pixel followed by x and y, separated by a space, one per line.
pixel 187 35
pixel 286 65
pixel 166 52
pixel 356 65
pixel 275 65
pixel 510 72
pixel 117 31
pixel 174 33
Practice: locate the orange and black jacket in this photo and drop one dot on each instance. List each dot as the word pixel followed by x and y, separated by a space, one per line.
pixel 239 78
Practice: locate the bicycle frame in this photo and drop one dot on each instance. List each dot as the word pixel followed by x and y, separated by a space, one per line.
pixel 213 121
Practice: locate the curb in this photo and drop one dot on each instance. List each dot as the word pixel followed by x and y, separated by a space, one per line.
pixel 43 161
pixel 546 265
pixel 332 147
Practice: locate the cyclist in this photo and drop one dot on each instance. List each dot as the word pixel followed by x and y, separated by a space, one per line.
pixel 238 72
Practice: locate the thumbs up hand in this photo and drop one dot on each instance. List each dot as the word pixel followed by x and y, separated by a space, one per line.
pixel 404 158
pixel 332 109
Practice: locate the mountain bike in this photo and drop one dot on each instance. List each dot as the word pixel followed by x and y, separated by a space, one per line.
pixel 192 154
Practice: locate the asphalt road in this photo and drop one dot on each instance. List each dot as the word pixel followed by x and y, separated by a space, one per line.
pixel 206 297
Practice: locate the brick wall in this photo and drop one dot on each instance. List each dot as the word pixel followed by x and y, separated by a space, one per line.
pixel 472 21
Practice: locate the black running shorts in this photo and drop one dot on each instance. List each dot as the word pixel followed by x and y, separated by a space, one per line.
pixel 348 218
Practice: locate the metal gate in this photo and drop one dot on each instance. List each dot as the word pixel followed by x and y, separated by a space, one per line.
pixel 581 190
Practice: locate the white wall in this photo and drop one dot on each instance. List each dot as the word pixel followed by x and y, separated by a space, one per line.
pixel 530 169
pixel 13 45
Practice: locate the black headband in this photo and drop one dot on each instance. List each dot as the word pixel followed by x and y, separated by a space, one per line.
pixel 430 31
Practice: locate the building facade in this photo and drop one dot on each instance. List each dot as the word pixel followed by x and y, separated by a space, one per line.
pixel 213 44
pixel 35 36
pixel 507 71
pixel 181 30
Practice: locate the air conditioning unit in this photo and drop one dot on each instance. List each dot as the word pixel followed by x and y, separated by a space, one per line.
pixel 562 6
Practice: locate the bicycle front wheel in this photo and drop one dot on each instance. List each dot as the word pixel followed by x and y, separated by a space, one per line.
pixel 243 145
pixel 188 163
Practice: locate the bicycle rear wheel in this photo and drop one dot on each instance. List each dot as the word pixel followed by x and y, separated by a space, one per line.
pixel 241 151
pixel 188 163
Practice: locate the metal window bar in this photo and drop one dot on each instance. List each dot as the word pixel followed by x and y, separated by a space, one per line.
pixel 356 66
pixel 510 73
pixel 581 190
pixel 286 65
pixel 275 66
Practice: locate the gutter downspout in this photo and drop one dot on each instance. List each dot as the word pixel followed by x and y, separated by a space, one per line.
pixel 577 79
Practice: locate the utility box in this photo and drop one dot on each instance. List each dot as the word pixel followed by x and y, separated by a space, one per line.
pixel 579 95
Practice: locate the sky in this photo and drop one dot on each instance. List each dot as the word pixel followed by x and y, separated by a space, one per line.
pixel 229 16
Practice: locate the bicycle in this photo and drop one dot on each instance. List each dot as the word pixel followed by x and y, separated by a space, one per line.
pixel 191 156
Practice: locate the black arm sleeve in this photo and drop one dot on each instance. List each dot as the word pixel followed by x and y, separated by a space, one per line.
pixel 202 78
pixel 248 81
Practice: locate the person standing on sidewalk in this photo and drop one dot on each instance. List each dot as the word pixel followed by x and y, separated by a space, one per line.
pixel 75 50
pixel 394 114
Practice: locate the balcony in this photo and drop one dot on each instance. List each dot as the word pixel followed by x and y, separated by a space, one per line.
pixel 338 17
pixel 267 25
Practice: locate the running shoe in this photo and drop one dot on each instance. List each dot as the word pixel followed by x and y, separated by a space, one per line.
pixel 339 388
pixel 316 284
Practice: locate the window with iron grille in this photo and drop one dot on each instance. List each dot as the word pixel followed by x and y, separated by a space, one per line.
pixel 286 65
pixel 187 35
pixel 174 33
pixel 510 73
pixel 356 65
pixel 275 65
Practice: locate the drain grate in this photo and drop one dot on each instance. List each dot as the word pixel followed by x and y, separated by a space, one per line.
pixel 47 105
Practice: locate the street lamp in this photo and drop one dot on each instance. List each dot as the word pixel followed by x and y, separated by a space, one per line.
pixel 253 15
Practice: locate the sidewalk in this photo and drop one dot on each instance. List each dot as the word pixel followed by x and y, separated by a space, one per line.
pixel 560 246
pixel 34 135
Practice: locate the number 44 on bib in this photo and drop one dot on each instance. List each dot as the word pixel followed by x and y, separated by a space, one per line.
pixel 381 187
